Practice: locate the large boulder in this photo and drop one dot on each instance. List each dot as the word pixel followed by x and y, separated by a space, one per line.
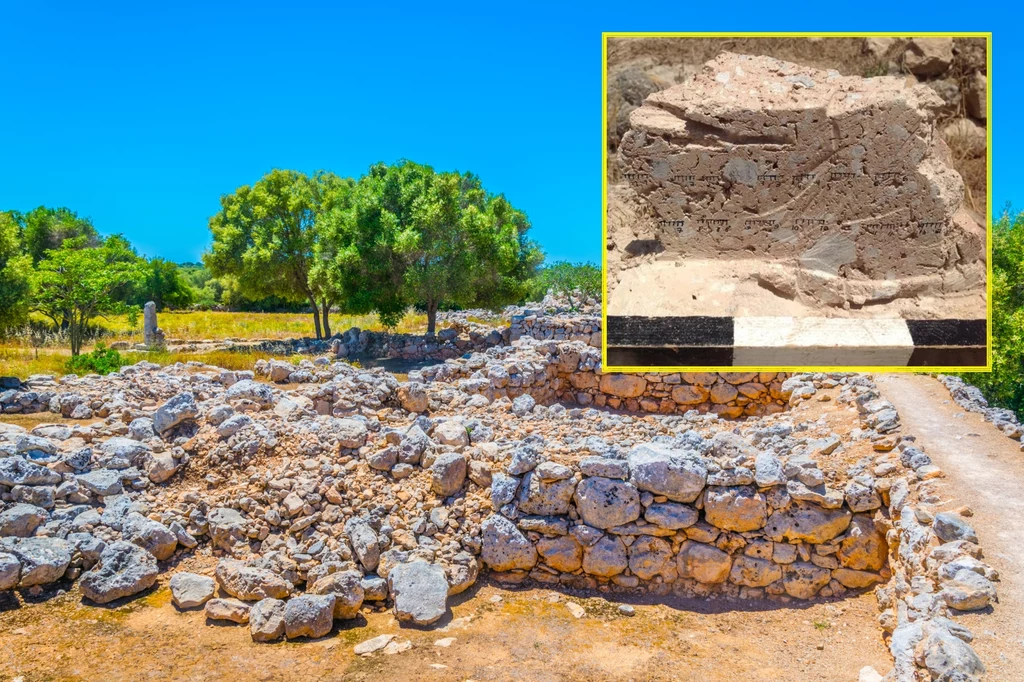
pixel 671 515
pixel 863 547
pixel 562 553
pixel 420 592
pixel 21 520
pixel 805 522
pixel 753 572
pixel 173 412
pixel 447 473
pixel 606 557
pixel 347 588
pixel 266 620
pixel 606 503
pixel 803 580
pixel 968 591
pixel 249 583
pixel 19 471
pixel 124 569
pixel 152 536
pixel 703 563
pixel 504 547
pixel 227 528
pixel 43 559
pixel 738 508
pixel 351 433
pixel 649 557
pixel 10 571
pixel 189 590
pixel 364 542
pixel 545 498
pixel 309 615
pixel 657 468
pixel 623 385
pixel 250 390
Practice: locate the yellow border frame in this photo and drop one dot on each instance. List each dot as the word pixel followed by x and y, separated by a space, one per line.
pixel 887 34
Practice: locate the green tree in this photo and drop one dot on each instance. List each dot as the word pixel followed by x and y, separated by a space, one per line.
pixel 48 228
pixel 1004 385
pixel 408 235
pixel 266 235
pixel 575 282
pixel 73 284
pixel 14 272
pixel 165 285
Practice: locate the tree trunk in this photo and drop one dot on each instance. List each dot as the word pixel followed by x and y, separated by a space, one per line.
pixel 75 336
pixel 316 317
pixel 326 315
pixel 431 316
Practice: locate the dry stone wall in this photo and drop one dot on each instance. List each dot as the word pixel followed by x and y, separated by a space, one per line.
pixel 585 328
pixel 571 371
pixel 682 515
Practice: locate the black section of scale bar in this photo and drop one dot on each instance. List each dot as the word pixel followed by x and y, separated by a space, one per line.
pixel 947 357
pixel 948 332
pixel 671 332
pixel 668 357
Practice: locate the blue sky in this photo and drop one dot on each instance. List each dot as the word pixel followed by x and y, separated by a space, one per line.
pixel 140 115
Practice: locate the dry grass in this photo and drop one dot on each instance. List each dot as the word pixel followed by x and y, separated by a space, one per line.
pixel 199 325
pixel 22 355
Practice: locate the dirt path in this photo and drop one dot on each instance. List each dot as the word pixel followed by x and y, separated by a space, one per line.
pixel 984 470
pixel 500 635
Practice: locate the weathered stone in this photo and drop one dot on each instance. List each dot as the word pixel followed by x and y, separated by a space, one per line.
pixel 864 547
pixel 266 620
pixel 606 557
pixel 448 473
pixel 544 498
pixel 649 557
pixel 504 547
pixel 805 522
pixel 703 563
pixel 309 615
pixel 604 502
pixel 364 542
pixel 21 520
pixel 928 56
pixel 413 397
pixel 18 471
pixel 605 467
pixel 227 609
pixel 43 560
pixel 420 592
pixel 803 580
pixel 249 583
pixel 10 571
pixel 855 580
pixel 124 569
pixel 752 572
pixel 173 412
pixel 347 588
pixel 736 508
pixel 968 591
pixel 451 432
pixel 950 526
pixel 623 385
pixel 189 590
pixel 662 470
pixel 564 553
pixel 671 515
pixel 151 535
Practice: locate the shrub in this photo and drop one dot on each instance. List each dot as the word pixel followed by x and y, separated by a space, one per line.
pixel 101 360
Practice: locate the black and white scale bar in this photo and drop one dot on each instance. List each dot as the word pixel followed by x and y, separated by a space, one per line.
pixel 793 341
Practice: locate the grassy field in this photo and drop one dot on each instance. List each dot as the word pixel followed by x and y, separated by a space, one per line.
pixel 22 355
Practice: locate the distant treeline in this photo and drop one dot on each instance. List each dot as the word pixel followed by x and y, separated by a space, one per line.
pixel 401 236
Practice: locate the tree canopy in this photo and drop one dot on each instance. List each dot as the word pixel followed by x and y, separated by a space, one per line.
pixel 15 268
pixel 265 237
pixel 48 228
pixel 412 236
pixel 73 284
pixel 575 282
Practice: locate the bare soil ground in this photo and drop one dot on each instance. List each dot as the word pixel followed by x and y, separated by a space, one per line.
pixel 500 634
pixel 984 469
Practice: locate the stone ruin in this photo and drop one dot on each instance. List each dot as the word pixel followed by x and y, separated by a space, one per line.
pixel 835 191
pixel 152 335
pixel 300 508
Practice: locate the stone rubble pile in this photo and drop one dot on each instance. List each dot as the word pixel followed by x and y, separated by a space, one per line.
pixel 570 371
pixel 291 510
pixel 971 399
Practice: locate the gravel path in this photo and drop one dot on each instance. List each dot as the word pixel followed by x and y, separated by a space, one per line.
pixel 984 470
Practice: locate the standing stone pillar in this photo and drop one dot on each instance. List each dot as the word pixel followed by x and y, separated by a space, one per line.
pixel 152 335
